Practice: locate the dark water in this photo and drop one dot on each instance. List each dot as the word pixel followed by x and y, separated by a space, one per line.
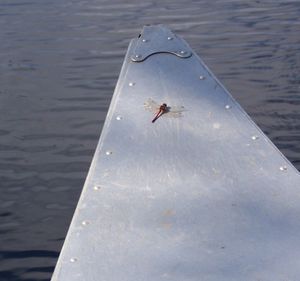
pixel 59 62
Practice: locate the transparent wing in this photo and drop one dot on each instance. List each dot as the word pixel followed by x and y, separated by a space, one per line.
pixel 172 114
pixel 151 105
pixel 174 111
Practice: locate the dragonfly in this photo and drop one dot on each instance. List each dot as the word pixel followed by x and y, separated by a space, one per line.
pixel 163 109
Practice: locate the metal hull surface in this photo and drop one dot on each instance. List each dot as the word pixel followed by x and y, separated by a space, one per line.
pixel 205 196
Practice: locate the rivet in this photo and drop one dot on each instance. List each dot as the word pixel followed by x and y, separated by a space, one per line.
pixel 108 152
pixel 283 168
pixel 137 56
pixel 182 52
pixel 216 125
pixel 227 106
pixel 73 260
pixel 131 84
pixel 85 222
pixel 254 137
pixel 97 187
pixel 170 38
pixel 144 40
pixel 201 77
pixel 119 117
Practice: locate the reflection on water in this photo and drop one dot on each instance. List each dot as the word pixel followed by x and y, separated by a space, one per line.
pixel 59 62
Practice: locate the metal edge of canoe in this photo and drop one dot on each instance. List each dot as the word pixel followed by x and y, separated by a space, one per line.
pixel 201 194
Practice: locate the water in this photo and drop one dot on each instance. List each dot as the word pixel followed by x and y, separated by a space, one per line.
pixel 59 62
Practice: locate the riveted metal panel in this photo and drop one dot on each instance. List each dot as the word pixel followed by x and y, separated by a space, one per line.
pixel 205 196
pixel 157 39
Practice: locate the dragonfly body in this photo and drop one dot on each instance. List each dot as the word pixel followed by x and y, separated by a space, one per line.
pixel 161 111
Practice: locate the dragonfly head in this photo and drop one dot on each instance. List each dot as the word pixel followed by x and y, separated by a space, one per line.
pixel 164 107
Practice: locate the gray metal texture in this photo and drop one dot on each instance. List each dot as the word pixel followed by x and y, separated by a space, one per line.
pixel 152 42
pixel 205 196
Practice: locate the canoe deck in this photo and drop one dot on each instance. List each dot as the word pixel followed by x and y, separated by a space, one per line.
pixel 204 196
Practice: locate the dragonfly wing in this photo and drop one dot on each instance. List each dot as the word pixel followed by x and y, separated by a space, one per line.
pixel 177 109
pixel 174 112
pixel 151 105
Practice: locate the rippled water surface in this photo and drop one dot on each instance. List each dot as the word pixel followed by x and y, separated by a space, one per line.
pixel 59 62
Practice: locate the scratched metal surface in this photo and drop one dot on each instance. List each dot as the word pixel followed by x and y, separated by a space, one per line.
pixel 203 197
